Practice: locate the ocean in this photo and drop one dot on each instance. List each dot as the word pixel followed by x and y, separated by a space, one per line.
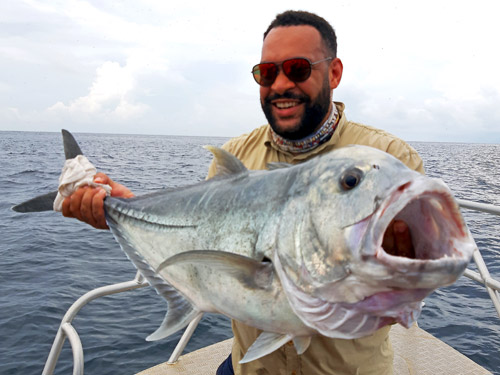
pixel 48 261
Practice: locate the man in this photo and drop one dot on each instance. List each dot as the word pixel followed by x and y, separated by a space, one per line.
pixel 298 72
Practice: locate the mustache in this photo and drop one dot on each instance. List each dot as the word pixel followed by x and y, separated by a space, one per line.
pixel 287 95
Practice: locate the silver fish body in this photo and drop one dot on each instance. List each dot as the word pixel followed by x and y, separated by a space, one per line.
pixel 297 250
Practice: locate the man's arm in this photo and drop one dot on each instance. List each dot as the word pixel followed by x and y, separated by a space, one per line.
pixel 87 203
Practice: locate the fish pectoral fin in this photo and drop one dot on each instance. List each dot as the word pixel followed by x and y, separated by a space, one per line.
pixel 266 343
pixel 301 343
pixel 277 165
pixel 226 163
pixel 250 272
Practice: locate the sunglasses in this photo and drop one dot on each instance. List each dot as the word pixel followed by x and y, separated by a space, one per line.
pixel 297 69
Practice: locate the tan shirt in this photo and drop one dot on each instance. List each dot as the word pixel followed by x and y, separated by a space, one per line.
pixel 368 355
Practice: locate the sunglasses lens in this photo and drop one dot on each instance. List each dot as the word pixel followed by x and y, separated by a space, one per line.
pixel 265 73
pixel 297 70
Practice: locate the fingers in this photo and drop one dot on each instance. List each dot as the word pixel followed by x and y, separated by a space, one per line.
pixel 87 204
pixel 397 240
pixel 102 178
pixel 98 213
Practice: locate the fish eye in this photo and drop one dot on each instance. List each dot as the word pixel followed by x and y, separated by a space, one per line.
pixel 351 178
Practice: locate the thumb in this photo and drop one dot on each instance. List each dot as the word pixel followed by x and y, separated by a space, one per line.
pixel 117 190
pixel 101 178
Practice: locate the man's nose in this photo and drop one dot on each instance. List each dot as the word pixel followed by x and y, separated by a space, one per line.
pixel 282 83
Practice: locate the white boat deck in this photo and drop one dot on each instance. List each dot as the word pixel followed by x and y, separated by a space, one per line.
pixel 416 352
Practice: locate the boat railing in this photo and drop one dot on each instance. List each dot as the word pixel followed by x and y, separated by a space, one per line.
pixel 483 276
pixel 67 331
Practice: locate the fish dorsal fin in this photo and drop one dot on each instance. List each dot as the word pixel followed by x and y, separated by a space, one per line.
pixel 248 271
pixel 226 163
pixel 71 148
pixel 277 165
pixel 301 343
pixel 266 343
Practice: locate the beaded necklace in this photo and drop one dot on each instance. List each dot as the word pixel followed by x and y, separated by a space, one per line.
pixel 323 134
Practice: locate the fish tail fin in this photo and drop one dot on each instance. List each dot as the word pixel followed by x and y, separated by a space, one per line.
pixel 41 203
pixel 71 147
pixel 45 202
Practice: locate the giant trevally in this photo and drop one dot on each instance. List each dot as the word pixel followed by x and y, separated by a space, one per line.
pixel 295 251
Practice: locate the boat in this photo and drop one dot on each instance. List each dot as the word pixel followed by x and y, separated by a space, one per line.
pixel 416 351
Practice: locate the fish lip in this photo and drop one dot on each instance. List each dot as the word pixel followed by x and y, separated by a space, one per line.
pixel 433 197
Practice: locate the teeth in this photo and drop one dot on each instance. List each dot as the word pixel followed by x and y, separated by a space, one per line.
pixel 283 105
pixel 437 204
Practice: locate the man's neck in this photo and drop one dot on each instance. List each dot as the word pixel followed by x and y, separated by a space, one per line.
pixel 320 136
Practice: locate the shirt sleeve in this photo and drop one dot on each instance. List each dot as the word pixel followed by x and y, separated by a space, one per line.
pixel 407 155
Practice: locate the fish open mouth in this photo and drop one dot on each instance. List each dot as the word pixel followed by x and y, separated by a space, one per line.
pixel 441 243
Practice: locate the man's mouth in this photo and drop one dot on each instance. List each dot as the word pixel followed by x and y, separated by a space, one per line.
pixel 285 105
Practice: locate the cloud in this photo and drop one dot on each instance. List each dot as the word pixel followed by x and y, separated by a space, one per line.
pixel 109 96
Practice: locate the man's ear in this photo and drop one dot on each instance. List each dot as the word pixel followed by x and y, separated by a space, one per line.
pixel 335 72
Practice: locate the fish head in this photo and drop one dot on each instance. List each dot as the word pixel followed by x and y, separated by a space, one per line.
pixel 333 266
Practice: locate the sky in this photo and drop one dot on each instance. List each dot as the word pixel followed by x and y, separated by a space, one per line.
pixel 424 70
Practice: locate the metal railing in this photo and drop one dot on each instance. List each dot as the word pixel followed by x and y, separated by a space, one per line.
pixel 66 329
pixel 483 276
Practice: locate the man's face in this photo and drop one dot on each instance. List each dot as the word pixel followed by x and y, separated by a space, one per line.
pixel 296 110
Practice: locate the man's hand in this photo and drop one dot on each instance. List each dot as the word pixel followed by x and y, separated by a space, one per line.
pixel 397 240
pixel 87 203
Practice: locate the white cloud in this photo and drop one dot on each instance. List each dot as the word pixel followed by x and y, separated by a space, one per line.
pixel 109 95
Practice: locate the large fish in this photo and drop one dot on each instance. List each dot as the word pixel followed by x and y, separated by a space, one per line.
pixel 295 251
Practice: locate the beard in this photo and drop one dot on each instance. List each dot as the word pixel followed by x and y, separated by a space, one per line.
pixel 313 115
